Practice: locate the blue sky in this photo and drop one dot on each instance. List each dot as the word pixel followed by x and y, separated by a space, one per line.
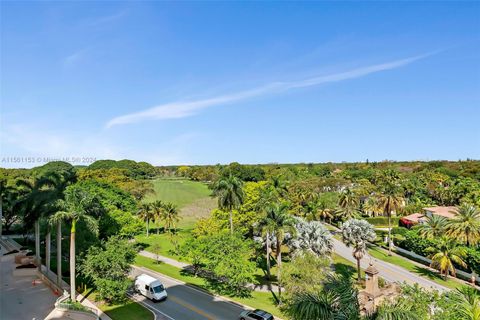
pixel 216 82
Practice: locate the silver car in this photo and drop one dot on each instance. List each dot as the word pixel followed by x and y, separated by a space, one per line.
pixel 256 314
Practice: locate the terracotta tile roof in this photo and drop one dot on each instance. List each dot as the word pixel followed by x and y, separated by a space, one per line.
pixel 447 212
pixel 415 217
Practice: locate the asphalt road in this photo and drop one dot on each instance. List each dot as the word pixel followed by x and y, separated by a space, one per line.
pixel 187 303
pixel 387 270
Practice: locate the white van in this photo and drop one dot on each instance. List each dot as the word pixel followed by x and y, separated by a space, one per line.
pixel 150 287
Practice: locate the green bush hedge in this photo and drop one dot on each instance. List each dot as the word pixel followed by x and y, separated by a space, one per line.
pixel 413 242
pixel 382 221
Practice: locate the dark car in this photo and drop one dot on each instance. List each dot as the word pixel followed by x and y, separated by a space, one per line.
pixel 255 315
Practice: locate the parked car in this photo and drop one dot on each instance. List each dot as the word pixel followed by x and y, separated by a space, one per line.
pixel 256 314
pixel 150 287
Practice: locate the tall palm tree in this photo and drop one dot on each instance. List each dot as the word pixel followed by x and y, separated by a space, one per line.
pixel 432 227
pixel 170 216
pixel 78 205
pixel 281 221
pixel 157 208
pixel 267 228
pixel 356 234
pixel 229 191
pixel 37 203
pixel 324 212
pixel 279 185
pixel 348 198
pixel 268 196
pixel 465 226
pixel 348 203
pixel 371 207
pixel 390 200
pixel 145 213
pixel 445 254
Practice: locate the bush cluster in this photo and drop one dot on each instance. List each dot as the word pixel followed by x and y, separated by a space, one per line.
pixel 412 241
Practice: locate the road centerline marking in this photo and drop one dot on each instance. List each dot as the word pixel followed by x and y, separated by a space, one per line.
pixel 192 308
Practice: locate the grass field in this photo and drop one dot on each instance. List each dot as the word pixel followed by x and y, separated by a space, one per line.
pixel 164 242
pixel 178 191
pixel 192 198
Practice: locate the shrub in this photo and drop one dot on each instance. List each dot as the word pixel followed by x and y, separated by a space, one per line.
pixel 472 259
pixel 413 242
pixel 382 221
pixel 399 230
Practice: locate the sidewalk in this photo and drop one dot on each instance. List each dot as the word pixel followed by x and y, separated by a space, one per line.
pixel 22 297
pixel 183 265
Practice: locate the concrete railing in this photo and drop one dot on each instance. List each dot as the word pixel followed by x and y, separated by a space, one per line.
pixel 81 311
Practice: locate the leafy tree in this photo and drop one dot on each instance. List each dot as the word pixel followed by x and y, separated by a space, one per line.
pixel 108 266
pixel 465 226
pixel 311 237
pixel 230 195
pixel 356 234
pixel 445 254
pixel 433 227
pixel 227 259
pixel 306 272
pixel 77 206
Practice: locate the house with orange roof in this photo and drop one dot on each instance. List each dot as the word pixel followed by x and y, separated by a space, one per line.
pixel 409 221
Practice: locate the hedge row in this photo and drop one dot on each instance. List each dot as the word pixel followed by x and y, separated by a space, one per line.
pixel 413 242
pixel 382 221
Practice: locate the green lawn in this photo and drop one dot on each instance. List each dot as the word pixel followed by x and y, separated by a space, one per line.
pixel 192 198
pixel 345 267
pixel 178 191
pixel 130 310
pixel 164 241
pixel 261 300
pixel 378 253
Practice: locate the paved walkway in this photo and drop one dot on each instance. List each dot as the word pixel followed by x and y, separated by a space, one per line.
pixel 20 296
pixel 388 271
pixel 183 265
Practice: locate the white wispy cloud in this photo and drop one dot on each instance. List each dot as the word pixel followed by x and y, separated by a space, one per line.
pixel 74 58
pixel 106 19
pixel 181 109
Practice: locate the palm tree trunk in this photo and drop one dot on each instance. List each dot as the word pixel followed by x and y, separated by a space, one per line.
pixel 279 268
pixel 59 254
pixel 1 215
pixel 389 214
pixel 359 274
pixel 148 226
pixel 72 262
pixel 37 245
pixel 231 221
pixel 268 256
pixel 48 239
